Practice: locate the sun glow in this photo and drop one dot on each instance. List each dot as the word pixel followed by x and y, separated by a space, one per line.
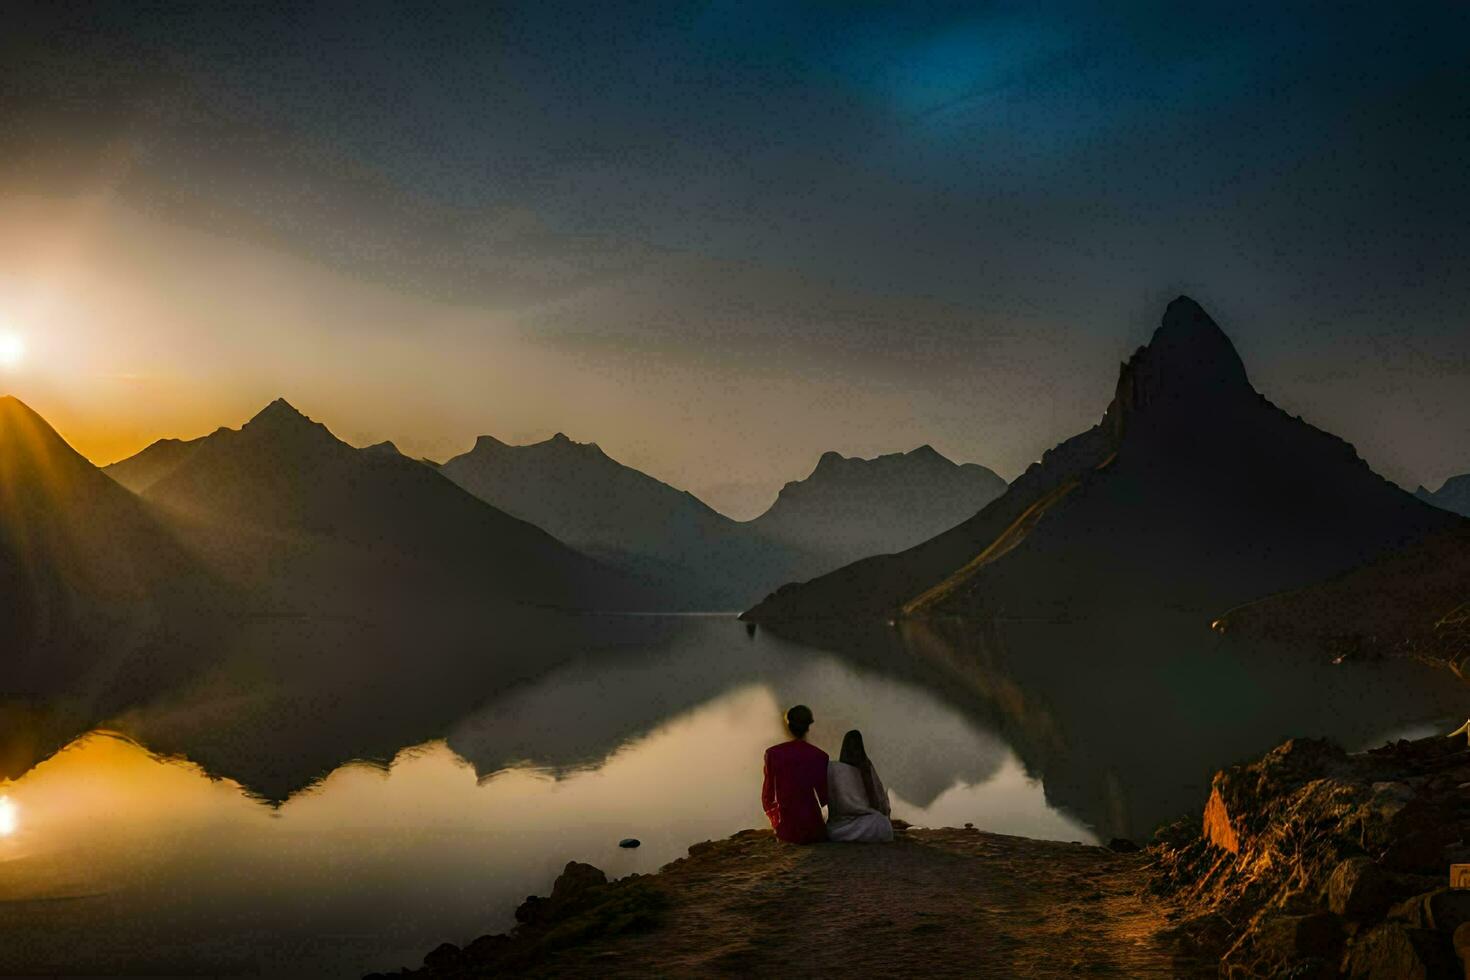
pixel 12 350
pixel 9 817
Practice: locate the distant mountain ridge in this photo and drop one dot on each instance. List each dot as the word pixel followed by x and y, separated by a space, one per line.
pixel 850 508
pixel 1193 492
pixel 1453 495
pixel 699 558
pixel 284 485
pixel 695 557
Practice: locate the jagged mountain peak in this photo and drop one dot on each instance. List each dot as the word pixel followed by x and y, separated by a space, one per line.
pixel 488 444
pixel 1188 361
pixel 279 410
pixel 282 419
pixel 832 463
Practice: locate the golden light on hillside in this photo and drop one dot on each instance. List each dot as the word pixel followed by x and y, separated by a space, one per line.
pixel 12 349
pixel 9 817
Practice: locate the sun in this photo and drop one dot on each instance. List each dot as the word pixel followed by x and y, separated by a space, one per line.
pixel 12 350
pixel 9 817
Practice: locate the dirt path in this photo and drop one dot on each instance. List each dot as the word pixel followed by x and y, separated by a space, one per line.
pixel 934 903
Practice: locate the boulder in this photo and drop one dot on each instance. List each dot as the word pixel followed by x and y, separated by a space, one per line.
pixel 1461 942
pixel 446 956
pixel 577 886
pixel 1393 951
pixel 575 881
pixel 1358 889
pixel 1307 947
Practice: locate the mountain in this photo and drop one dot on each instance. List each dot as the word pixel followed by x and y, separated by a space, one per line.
pixel 851 508
pixel 1193 492
pixel 88 571
pixel 141 471
pixel 282 504
pixel 1453 495
pixel 695 557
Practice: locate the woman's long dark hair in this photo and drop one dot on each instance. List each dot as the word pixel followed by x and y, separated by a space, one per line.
pixel 856 756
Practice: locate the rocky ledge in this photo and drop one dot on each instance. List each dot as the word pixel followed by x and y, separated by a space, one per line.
pixel 1313 863
pixel 934 903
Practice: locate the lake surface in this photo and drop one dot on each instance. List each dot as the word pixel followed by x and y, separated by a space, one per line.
pixel 331 824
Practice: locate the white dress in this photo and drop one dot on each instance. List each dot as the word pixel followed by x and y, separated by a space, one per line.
pixel 850 819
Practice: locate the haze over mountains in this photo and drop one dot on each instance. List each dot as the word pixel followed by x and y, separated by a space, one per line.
pixel 1193 492
pixel 701 559
pixel 283 500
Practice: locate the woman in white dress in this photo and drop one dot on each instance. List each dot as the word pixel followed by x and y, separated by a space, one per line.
pixel 857 802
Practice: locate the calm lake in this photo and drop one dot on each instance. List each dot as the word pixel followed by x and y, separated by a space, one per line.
pixel 328 825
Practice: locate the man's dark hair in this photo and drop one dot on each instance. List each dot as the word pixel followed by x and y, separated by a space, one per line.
pixel 799 720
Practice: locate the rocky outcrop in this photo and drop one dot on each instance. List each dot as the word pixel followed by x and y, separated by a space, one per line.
pixel 583 906
pixel 1315 863
pixel 944 902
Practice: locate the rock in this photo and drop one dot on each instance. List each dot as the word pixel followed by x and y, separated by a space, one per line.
pixel 1393 951
pixel 1358 889
pixel 575 881
pixel 486 947
pixel 1461 942
pixel 446 956
pixel 1300 946
pixel 1445 910
pixel 1122 845
pixel 573 888
pixel 1418 834
pixel 630 842
pixel 1217 827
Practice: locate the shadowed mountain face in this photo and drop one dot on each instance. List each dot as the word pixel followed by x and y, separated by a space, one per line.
pixel 283 503
pixel 696 557
pixel 89 573
pixel 1453 496
pixel 693 556
pixel 141 471
pixel 1193 492
pixel 851 508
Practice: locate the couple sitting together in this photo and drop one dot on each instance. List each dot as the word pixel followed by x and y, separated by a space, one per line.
pixel 800 780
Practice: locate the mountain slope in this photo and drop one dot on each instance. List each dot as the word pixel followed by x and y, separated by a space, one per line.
pixel 1411 602
pixel 284 503
pixel 695 557
pixel 850 508
pixel 1193 492
pixel 85 566
pixel 1453 495
pixel 142 470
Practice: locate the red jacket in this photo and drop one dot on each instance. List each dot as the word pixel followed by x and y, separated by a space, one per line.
pixel 795 790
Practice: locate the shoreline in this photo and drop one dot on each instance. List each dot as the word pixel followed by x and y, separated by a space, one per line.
pixel 935 902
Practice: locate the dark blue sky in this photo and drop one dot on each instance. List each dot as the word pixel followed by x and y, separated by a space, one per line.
pixel 971 211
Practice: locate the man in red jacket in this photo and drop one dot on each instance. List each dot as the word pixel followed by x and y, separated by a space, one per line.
pixel 795 787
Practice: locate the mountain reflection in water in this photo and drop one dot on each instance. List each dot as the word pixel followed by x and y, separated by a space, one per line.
pixel 613 727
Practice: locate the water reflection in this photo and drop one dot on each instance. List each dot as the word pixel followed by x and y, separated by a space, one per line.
pixel 373 865
pixel 305 838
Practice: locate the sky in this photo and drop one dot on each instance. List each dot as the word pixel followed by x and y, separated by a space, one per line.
pixel 719 239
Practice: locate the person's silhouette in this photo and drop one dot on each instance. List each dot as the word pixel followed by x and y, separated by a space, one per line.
pixel 795 786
